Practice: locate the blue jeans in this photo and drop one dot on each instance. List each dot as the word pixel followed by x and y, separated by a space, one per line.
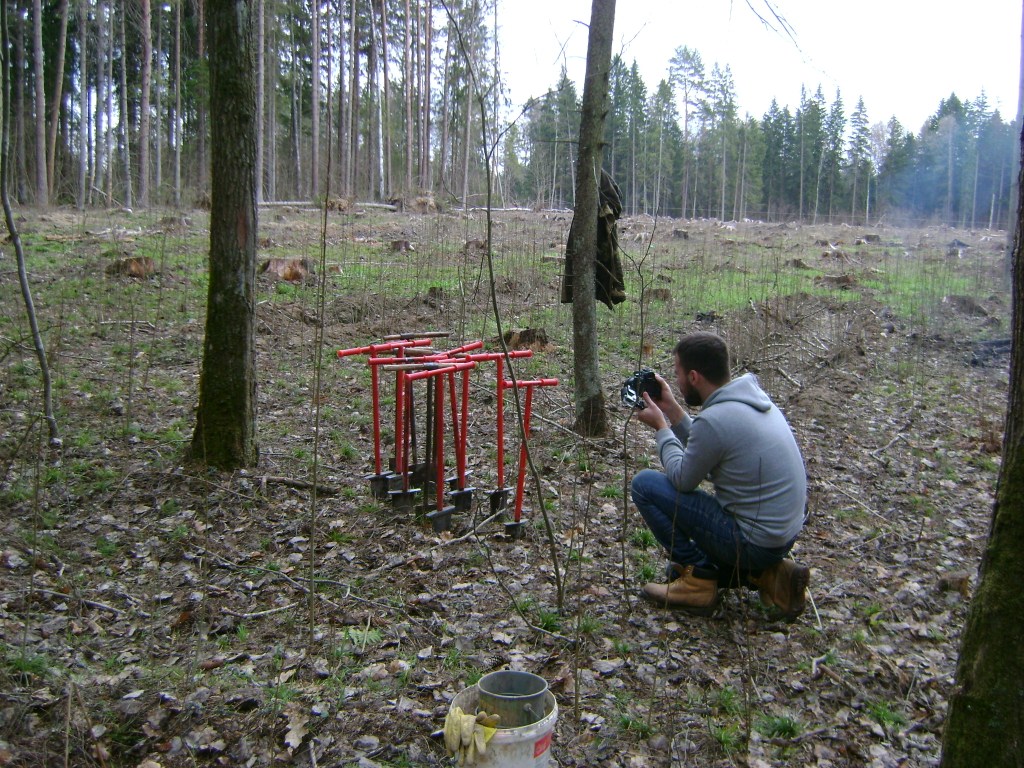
pixel 695 530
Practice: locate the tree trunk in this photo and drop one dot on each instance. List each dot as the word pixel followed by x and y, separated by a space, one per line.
pixel 271 75
pixel 225 433
pixel 590 412
pixel 109 120
pixel 42 192
pixel 985 725
pixel 426 60
pixel 83 105
pixel 314 161
pixel 410 131
pixel 146 28
pixel 178 122
pixel 58 95
pixel 26 291
pixel 201 101
pixel 1015 187
pixel 296 114
pixel 126 155
pixel 387 185
pixel 261 98
pixel 342 89
pixel 158 142
pixel 96 141
pixel 353 105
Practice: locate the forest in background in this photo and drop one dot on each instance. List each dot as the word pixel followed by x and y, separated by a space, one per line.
pixel 389 100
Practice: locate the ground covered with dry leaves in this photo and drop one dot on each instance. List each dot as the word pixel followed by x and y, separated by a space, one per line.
pixel 155 614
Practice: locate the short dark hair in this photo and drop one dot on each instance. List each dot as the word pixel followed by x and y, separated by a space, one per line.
pixel 705 353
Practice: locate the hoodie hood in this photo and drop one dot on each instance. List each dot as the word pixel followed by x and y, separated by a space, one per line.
pixel 745 389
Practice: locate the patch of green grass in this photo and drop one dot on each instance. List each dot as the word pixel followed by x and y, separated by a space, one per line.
pixel 26 665
pixel 106 547
pixel 984 462
pixel 729 737
pixel 777 727
pixel 642 538
pixel 282 693
pixel 727 700
pixel 648 572
pixel 349 452
pixel 340 537
pixel 611 492
pixel 635 725
pixel 525 603
pixel 577 556
pixel 869 612
pixel 549 620
pixel 883 714
pixel 588 625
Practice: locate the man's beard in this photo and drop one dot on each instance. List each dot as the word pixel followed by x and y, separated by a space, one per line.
pixel 691 396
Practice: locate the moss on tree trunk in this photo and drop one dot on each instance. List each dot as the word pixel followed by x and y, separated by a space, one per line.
pixel 225 433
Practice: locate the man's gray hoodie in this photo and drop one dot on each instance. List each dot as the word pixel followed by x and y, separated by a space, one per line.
pixel 742 443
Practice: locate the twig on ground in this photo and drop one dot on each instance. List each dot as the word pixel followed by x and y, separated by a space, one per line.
pixel 257 614
pixel 887 446
pixel 83 601
pixel 303 485
pixel 854 498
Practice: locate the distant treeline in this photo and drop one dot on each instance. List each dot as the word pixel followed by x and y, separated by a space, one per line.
pixel 384 99
pixel 683 150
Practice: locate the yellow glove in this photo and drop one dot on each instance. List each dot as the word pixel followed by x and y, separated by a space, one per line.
pixel 467 735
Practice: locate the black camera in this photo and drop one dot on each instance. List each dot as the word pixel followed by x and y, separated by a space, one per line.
pixel 634 387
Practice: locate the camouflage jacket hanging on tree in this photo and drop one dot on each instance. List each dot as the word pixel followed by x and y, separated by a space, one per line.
pixel 608 281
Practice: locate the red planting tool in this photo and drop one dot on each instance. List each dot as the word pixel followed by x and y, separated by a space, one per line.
pixel 379 480
pixel 499 496
pixel 441 516
pixel 514 528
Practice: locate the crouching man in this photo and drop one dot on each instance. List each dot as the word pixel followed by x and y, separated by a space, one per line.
pixel 739 440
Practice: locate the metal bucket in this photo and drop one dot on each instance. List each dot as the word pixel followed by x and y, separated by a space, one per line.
pixel 518 697
pixel 528 746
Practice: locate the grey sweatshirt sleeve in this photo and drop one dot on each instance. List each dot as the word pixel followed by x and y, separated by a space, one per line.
pixel 688 451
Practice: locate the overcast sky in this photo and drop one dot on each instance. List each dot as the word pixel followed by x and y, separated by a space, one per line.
pixel 901 56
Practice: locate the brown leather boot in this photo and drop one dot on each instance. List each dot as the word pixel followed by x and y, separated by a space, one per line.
pixel 784 585
pixel 694 593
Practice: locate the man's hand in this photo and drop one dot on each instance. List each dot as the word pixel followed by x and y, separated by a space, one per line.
pixel 661 412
